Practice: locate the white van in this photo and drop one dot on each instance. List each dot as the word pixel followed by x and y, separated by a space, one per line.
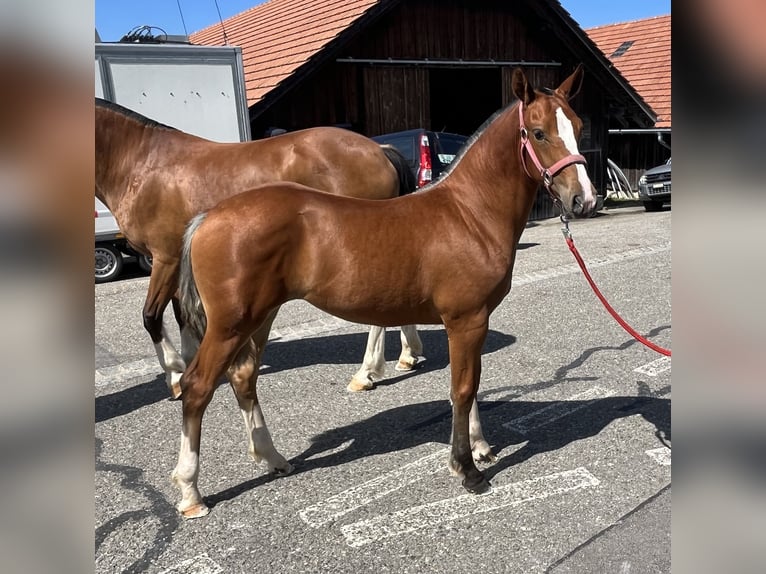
pixel 111 247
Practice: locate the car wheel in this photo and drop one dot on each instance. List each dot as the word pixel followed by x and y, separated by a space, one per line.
pixel 145 263
pixel 108 263
pixel 652 205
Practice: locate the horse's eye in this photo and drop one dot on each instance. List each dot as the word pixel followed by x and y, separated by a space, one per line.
pixel 539 135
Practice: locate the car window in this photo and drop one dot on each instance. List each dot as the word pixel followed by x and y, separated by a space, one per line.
pixel 448 146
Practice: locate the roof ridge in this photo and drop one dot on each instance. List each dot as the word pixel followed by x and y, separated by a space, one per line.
pixel 601 26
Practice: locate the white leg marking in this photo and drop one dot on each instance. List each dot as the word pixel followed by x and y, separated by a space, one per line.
pixel 655 367
pixel 362 494
pixel 436 513
pixel 479 446
pixel 660 455
pixel 261 447
pixel 171 361
pixel 374 363
pixel 566 133
pixel 185 474
pixel 557 410
pixel 412 348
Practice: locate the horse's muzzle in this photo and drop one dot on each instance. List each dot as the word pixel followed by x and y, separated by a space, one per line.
pixel 581 208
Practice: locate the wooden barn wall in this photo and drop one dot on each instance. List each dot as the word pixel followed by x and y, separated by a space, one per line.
pixel 451 29
pixel 332 96
pixel 396 99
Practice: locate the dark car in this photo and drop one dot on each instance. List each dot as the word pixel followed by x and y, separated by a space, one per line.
pixel 428 153
pixel 654 187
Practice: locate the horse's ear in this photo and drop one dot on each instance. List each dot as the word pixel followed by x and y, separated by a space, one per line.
pixel 521 87
pixel 570 87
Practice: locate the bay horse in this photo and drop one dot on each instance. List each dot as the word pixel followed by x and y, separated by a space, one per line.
pixel 155 178
pixel 283 241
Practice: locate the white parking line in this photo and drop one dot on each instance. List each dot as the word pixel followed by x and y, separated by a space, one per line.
pixel 362 494
pixel 436 513
pixel 660 455
pixel 557 410
pixel 201 564
pixel 520 279
pixel 655 367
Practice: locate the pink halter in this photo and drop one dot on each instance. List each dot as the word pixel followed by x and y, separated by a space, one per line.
pixel 546 173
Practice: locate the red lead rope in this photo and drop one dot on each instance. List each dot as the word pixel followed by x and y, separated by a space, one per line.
pixel 620 320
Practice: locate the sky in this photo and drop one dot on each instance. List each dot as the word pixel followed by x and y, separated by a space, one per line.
pixel 115 18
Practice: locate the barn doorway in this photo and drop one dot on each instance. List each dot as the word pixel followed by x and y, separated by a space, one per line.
pixel 461 99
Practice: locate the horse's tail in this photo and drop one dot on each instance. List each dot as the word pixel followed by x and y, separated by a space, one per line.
pixel 407 181
pixel 192 311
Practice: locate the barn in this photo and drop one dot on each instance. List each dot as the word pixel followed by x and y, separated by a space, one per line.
pixel 377 66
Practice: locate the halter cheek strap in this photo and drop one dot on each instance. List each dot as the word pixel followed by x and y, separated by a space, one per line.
pixel 547 174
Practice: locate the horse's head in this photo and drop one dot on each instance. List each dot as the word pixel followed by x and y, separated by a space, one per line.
pixel 549 133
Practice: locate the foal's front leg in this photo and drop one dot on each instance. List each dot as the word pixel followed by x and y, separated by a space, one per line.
pixel 243 376
pixel 465 342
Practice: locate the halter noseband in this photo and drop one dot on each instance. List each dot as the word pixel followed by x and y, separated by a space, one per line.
pixel 546 173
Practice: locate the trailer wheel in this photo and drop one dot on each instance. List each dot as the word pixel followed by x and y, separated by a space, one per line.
pixel 108 263
pixel 145 263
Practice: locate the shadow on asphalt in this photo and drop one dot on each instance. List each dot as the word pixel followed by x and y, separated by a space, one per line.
pixel 410 426
pixel 347 349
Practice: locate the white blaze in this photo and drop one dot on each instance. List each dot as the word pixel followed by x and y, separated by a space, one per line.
pixel 566 133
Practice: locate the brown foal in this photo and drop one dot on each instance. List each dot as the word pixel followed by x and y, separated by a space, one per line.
pixel 285 241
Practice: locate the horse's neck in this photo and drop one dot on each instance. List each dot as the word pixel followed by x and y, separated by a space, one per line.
pixel 122 148
pixel 495 185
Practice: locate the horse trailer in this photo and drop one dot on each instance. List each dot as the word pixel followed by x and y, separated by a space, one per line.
pixel 197 89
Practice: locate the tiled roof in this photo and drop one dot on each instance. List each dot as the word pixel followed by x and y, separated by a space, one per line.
pixel 278 36
pixel 645 63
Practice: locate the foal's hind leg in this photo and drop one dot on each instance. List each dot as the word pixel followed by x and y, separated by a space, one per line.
pixel 189 344
pixel 243 375
pixel 218 348
pixel 162 286
pixel 374 364
pixel 412 348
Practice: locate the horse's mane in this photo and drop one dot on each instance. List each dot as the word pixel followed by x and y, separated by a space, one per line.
pixel 127 112
pixel 469 142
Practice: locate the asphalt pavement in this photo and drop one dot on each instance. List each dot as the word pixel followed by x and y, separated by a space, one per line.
pixel 576 410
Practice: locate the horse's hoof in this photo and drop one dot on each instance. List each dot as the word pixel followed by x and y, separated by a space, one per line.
pixel 406 365
pixel 284 471
pixel 356 385
pixel 481 486
pixel 482 452
pixel 484 457
pixel 175 391
pixel 196 511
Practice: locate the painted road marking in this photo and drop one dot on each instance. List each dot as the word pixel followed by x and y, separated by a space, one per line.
pixel 655 367
pixel 128 370
pixel 362 494
pixel 201 564
pixel 572 268
pixel 557 410
pixel 436 513
pixel 660 455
